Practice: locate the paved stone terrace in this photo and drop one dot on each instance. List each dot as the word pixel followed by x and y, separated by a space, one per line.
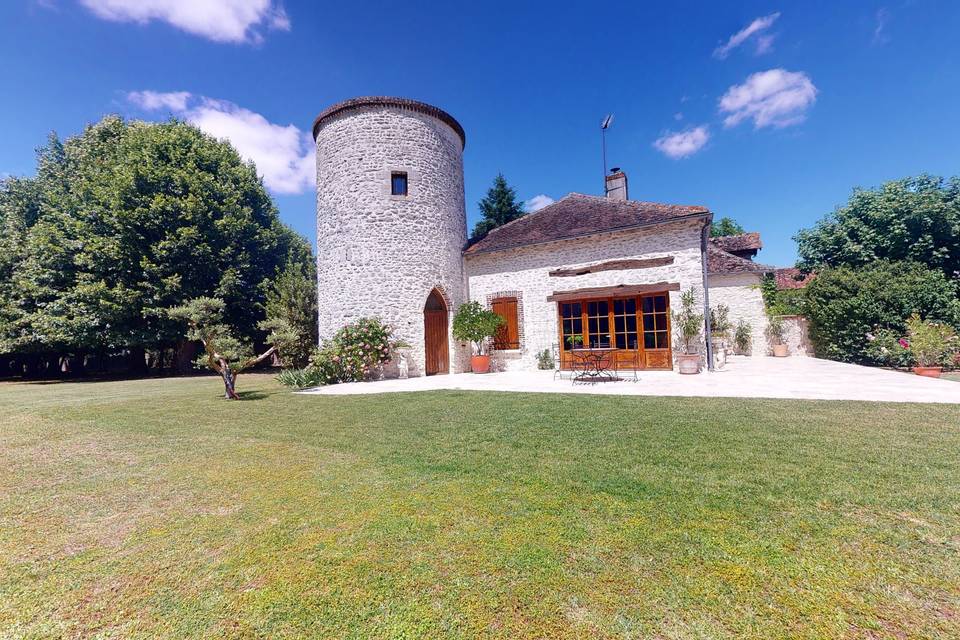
pixel 743 377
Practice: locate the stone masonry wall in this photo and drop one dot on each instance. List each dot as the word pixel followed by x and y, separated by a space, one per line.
pixel 525 269
pixel 378 254
pixel 741 292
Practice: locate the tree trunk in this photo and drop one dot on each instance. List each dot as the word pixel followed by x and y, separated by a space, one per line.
pixel 137 361
pixel 229 382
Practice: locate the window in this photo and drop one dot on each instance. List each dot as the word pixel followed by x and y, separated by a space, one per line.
pixel 655 332
pixel 625 323
pixel 570 313
pixel 508 334
pixel 598 324
pixel 398 183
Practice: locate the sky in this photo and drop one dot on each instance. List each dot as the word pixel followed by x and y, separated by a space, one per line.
pixel 768 112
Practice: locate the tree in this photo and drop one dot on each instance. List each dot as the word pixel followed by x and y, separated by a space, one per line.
pixel 915 219
pixel 224 353
pixel 291 299
pixel 498 207
pixel 130 219
pixel 845 304
pixel 725 226
pixel 473 323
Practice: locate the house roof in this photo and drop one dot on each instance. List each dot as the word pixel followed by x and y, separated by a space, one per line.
pixel 721 262
pixel 792 278
pixel 388 101
pixel 741 242
pixel 578 215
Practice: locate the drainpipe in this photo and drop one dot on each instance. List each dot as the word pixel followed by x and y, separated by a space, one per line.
pixel 704 240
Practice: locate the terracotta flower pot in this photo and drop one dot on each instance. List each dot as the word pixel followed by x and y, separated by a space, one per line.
pixel 688 363
pixel 480 364
pixel 780 351
pixel 929 372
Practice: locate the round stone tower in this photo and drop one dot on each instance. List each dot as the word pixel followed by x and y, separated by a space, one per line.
pixel 391 223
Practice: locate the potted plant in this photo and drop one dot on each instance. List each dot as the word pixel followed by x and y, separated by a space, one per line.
pixel 720 327
pixel 776 331
pixel 743 337
pixel 931 344
pixel 575 341
pixel 688 324
pixel 476 325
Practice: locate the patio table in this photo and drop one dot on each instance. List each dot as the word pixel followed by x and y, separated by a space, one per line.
pixel 594 365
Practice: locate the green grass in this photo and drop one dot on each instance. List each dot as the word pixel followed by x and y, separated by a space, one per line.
pixel 154 508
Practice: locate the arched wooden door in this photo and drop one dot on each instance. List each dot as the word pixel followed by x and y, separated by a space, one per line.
pixel 435 335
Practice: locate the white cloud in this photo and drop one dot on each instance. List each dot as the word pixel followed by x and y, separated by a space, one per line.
pixel 538 202
pixel 153 100
pixel 284 155
pixel 678 116
pixel 681 144
pixel 774 98
pixel 755 28
pixel 879 32
pixel 218 20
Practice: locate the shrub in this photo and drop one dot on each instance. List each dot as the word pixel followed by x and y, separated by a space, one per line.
pixel 933 344
pixel 743 336
pixel 720 324
pixel 475 324
pixel 782 302
pixel 688 323
pixel 545 360
pixel 356 352
pixel 775 329
pixel 300 378
pixel 846 304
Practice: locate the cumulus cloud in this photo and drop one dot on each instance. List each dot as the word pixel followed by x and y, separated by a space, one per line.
pixel 284 155
pixel 153 100
pixel 758 28
pixel 218 20
pixel 538 202
pixel 682 144
pixel 774 98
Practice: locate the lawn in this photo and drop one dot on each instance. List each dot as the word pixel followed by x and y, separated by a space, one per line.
pixel 154 508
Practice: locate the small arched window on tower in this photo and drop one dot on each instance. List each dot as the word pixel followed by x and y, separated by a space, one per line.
pixel 398 183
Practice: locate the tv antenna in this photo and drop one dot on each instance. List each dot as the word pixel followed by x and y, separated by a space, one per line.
pixel 607 121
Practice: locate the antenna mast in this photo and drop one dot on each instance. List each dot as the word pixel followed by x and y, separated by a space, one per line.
pixel 607 121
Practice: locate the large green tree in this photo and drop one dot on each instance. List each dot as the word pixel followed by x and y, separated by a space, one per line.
pixel 498 207
pixel 725 226
pixel 914 219
pixel 126 220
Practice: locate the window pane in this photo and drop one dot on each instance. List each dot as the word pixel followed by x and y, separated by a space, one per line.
pixel 648 304
pixel 398 184
pixel 597 308
pixel 648 323
pixel 649 341
pixel 621 341
pixel 631 323
pixel 570 310
pixel 618 306
pixel 660 303
pixel 619 324
pixel 662 341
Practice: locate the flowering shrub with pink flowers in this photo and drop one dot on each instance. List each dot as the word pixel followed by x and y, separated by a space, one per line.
pixel 927 344
pixel 356 352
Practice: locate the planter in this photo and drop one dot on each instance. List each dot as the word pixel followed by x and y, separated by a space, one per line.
pixel 480 364
pixel 780 351
pixel 688 363
pixel 929 372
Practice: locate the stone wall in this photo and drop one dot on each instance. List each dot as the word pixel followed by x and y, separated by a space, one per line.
pixel 796 336
pixel 741 293
pixel 526 269
pixel 378 254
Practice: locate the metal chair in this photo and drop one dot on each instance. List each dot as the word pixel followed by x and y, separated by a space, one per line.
pixel 557 370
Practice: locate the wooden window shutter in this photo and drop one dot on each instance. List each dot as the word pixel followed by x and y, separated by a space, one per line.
pixel 508 335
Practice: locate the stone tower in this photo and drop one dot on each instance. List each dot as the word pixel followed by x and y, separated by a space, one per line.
pixel 391 223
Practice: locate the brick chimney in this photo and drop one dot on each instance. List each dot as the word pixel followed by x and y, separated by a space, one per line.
pixel 616 187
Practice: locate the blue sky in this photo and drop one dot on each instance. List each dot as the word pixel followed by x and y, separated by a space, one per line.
pixel 769 112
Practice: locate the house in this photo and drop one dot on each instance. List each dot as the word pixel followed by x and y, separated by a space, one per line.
pixel 601 271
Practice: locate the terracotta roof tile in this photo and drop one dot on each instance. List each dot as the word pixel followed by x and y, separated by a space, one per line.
pixel 792 278
pixel 721 262
pixel 742 242
pixel 579 215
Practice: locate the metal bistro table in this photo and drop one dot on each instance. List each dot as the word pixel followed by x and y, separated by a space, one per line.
pixel 594 365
